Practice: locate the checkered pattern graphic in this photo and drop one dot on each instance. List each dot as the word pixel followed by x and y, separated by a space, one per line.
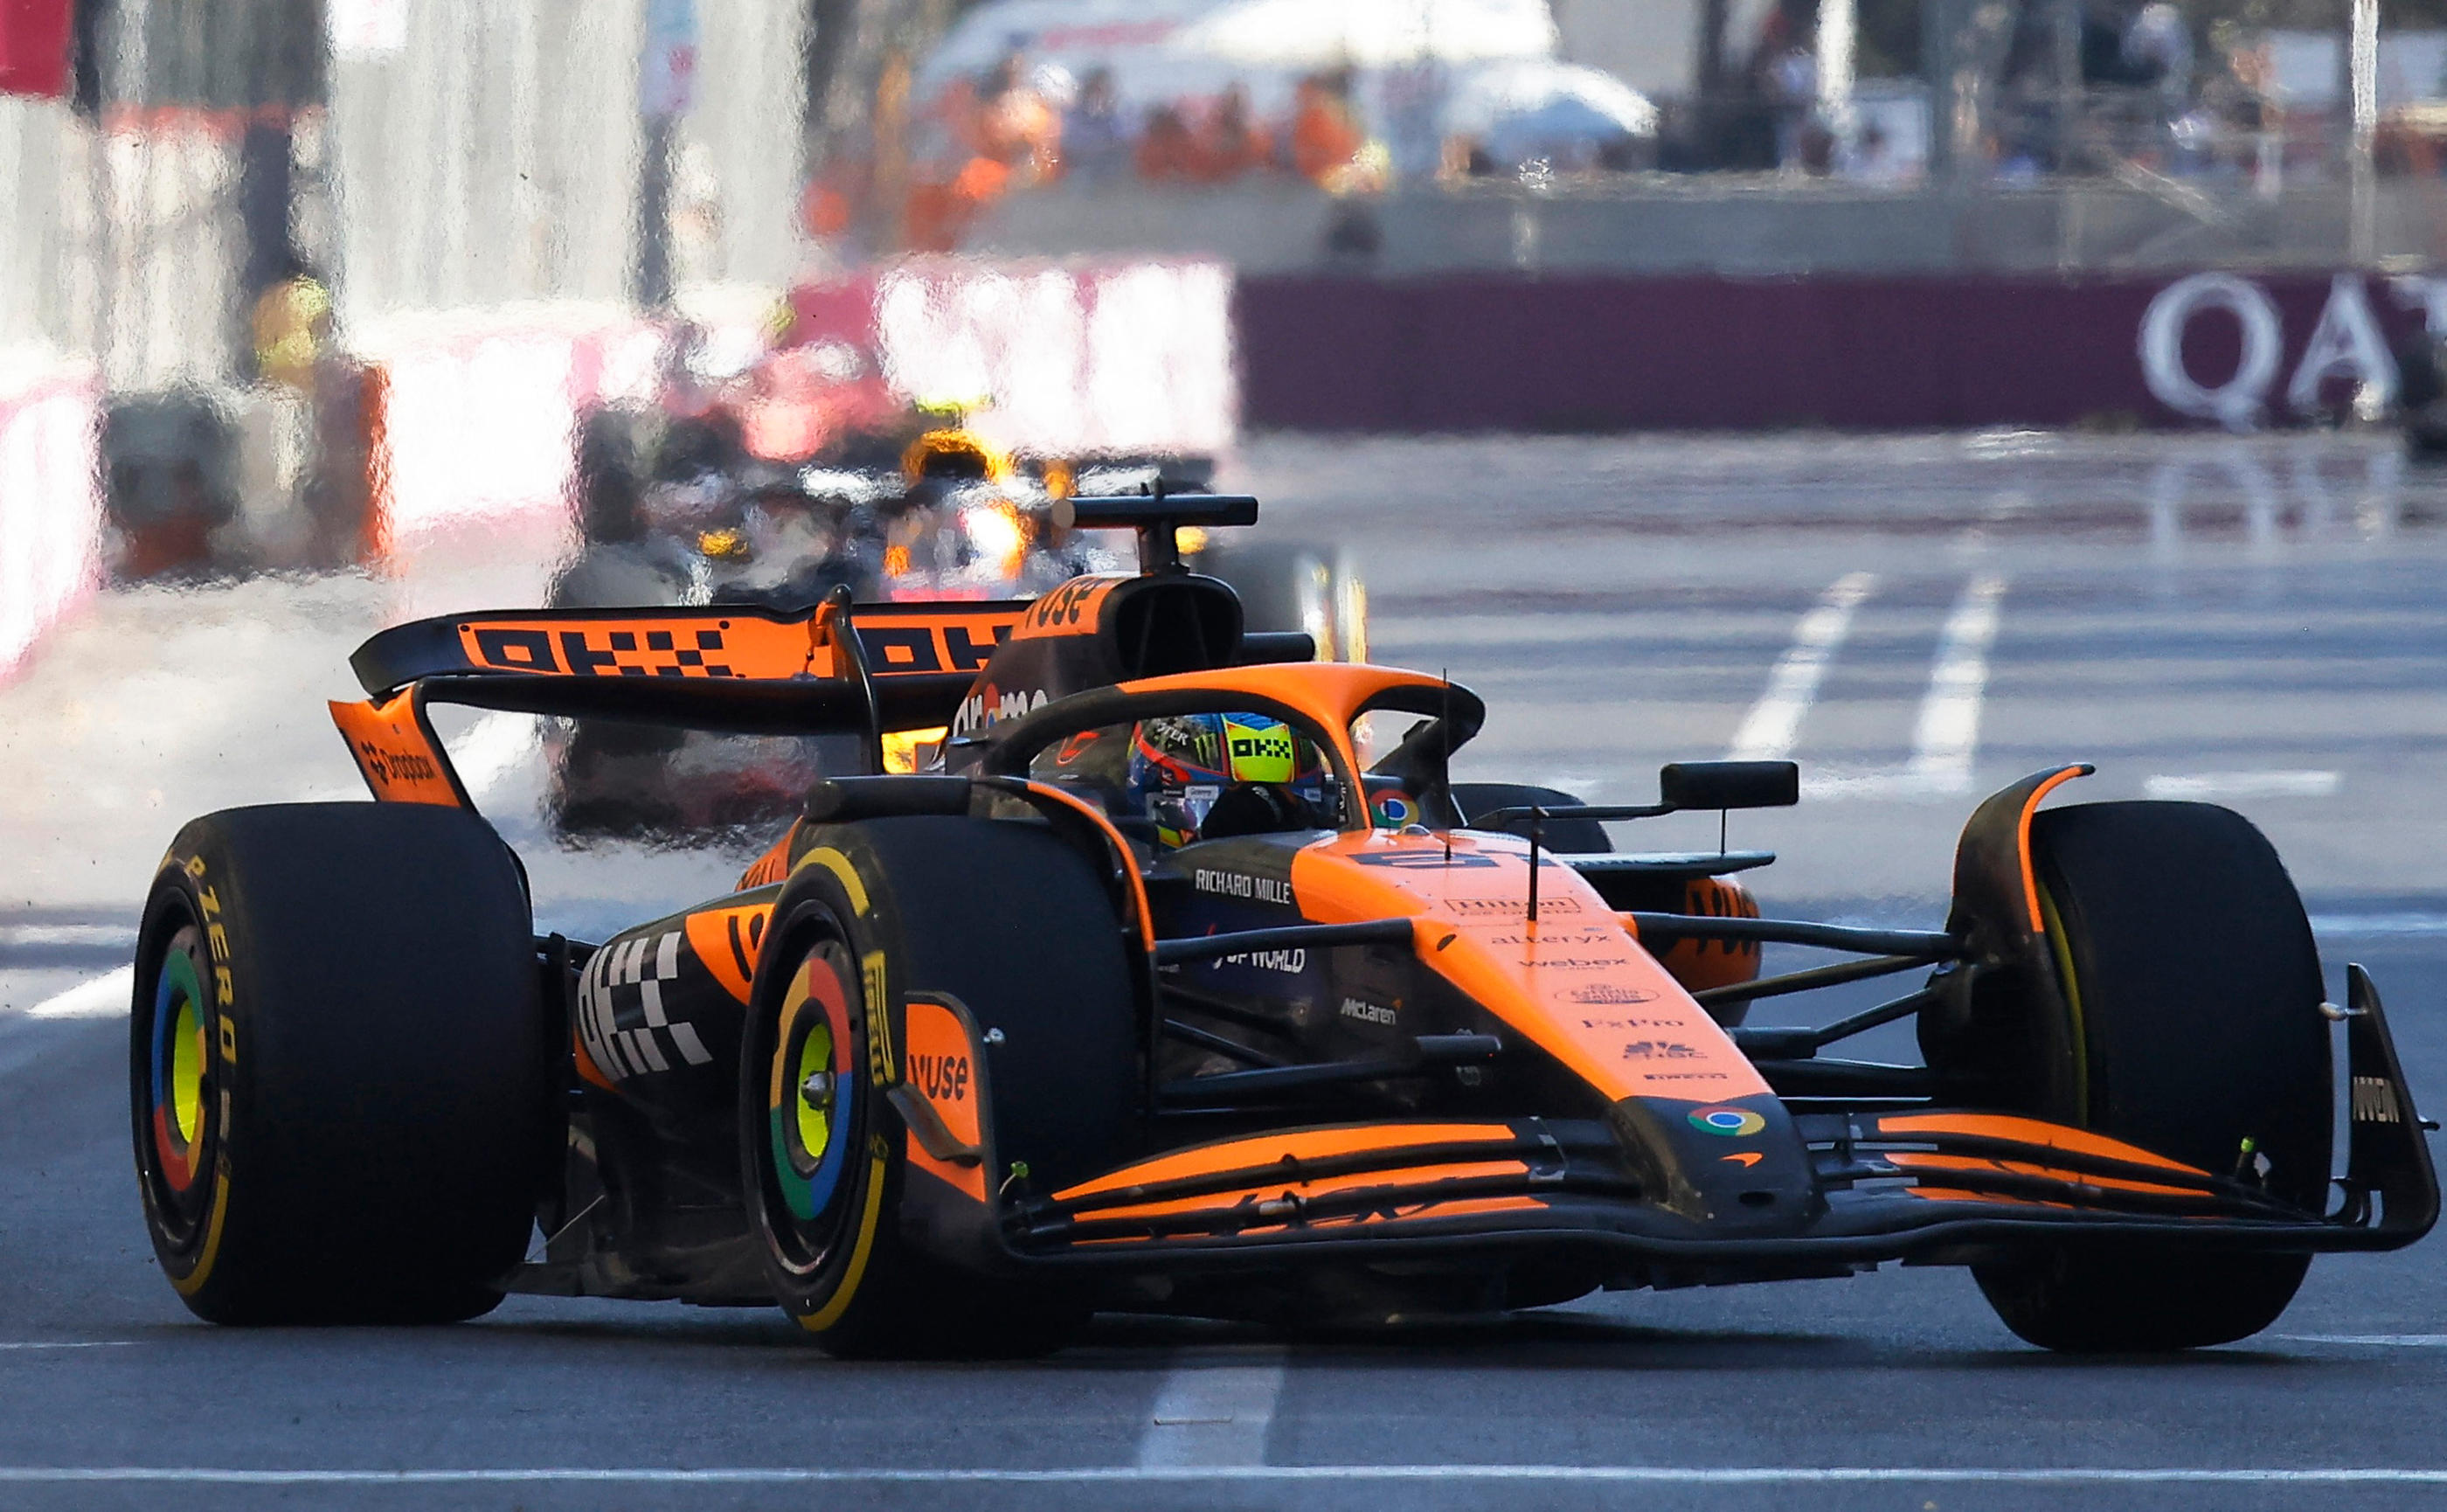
pixel 669 660
pixel 621 1009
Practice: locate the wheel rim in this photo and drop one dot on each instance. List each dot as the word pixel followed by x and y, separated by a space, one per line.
pixel 181 1085
pixel 812 1107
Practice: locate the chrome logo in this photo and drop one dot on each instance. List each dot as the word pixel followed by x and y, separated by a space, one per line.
pixel 1733 1123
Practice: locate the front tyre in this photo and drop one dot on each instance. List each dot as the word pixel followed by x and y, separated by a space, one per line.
pixel 340 1065
pixel 2188 1023
pixel 1015 923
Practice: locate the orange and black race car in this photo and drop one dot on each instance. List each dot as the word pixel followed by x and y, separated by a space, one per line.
pixel 1186 982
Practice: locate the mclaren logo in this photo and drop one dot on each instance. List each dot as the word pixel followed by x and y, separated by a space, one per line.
pixel 1367 1012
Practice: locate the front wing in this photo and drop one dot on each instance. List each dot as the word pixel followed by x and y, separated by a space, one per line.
pixel 1922 1185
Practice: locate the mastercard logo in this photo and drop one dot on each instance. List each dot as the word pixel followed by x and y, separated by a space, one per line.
pixel 1733 1123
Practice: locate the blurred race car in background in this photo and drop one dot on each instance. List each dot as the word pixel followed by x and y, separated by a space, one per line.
pixel 688 503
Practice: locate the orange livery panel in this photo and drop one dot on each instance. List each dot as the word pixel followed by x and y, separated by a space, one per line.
pixel 397 753
pixel 1573 980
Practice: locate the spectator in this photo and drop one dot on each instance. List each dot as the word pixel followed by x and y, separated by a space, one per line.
pixel 1010 138
pixel 1016 126
pixel 1793 91
pixel 1167 152
pixel 1094 147
pixel 1231 144
pixel 2159 48
pixel 1325 140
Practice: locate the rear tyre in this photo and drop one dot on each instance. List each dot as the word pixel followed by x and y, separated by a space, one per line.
pixel 340 1065
pixel 2189 1023
pixel 1017 925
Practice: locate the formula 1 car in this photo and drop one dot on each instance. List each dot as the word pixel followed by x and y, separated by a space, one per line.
pixel 1156 995
pixel 946 516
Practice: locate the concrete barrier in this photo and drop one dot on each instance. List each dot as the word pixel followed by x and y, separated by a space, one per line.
pixel 50 501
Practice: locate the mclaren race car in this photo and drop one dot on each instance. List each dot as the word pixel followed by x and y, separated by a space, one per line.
pixel 1186 982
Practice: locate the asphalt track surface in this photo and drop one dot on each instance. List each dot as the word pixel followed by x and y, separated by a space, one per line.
pixel 1917 621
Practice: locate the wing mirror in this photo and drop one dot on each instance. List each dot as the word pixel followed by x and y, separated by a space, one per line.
pixel 1729 785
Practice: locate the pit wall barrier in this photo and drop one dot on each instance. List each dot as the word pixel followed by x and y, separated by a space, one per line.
pixel 50 501
pixel 1498 352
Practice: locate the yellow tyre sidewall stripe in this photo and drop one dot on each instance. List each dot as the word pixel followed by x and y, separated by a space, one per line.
pixel 189 1284
pixel 869 1224
pixel 839 864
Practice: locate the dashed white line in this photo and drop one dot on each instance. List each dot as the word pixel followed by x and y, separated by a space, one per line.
pixel 1948 734
pixel 103 997
pixel 2398 1341
pixel 1214 1415
pixel 2243 785
pixel 2372 926
pixel 66 1344
pixel 1769 730
pixel 67 936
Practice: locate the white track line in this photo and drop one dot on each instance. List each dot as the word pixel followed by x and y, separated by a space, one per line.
pixel 1948 735
pixel 1091 1475
pixel 2379 926
pixel 1769 730
pixel 2396 1341
pixel 67 1344
pixel 67 936
pixel 2243 785
pixel 1946 738
pixel 1213 1415
pixel 103 997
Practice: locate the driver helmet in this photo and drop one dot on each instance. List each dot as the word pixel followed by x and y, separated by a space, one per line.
pixel 1180 765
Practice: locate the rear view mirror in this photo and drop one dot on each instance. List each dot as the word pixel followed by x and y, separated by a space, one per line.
pixel 1729 785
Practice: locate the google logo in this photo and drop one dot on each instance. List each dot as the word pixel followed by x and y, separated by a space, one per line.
pixel 1733 1123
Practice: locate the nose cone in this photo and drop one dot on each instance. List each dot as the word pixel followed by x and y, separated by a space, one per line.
pixel 1737 1168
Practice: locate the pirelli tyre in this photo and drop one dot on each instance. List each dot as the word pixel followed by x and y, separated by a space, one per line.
pixel 1287 587
pixel 341 1071
pixel 2188 1023
pixel 1001 927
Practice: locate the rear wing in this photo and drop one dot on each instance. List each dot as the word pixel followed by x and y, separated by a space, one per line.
pixel 736 668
